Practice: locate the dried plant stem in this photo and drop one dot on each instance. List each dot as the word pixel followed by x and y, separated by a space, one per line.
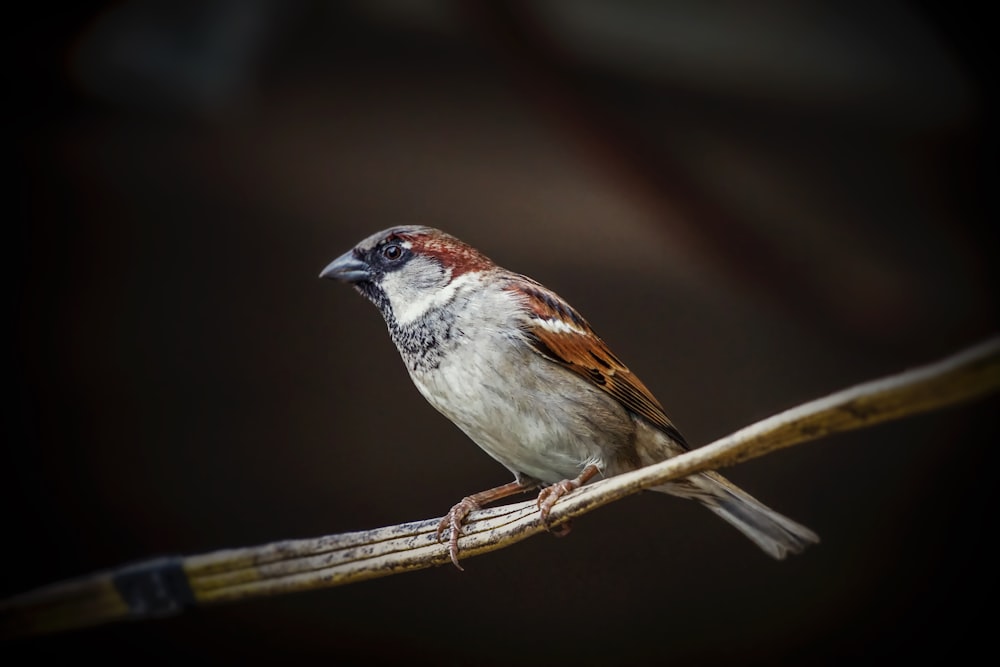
pixel 166 585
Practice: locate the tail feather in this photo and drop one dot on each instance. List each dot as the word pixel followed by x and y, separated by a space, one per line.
pixel 777 535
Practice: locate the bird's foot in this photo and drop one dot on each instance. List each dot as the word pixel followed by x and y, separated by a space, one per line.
pixel 453 521
pixel 548 496
pixel 456 515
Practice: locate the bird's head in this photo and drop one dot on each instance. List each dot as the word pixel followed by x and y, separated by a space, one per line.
pixel 408 270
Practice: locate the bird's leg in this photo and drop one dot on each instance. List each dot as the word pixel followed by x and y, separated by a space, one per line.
pixel 456 515
pixel 548 496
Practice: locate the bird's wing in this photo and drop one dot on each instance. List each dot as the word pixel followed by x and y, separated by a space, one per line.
pixel 558 333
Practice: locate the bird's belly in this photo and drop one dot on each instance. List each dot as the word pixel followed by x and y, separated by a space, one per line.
pixel 537 419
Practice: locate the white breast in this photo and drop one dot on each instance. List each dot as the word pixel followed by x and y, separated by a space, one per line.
pixel 530 414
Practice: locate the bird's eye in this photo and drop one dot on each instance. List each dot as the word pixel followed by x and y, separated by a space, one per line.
pixel 392 252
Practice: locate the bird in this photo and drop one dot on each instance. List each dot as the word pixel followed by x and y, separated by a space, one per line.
pixel 525 377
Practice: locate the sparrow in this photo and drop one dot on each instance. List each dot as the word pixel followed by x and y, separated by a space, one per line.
pixel 523 374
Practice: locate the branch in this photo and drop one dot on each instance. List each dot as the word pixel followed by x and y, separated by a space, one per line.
pixel 166 585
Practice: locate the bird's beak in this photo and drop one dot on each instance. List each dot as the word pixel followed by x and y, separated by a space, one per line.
pixel 347 268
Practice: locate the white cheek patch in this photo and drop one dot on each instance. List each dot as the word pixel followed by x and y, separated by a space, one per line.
pixel 559 326
pixel 411 300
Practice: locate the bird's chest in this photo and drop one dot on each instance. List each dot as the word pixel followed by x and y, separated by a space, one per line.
pixel 425 343
pixel 469 377
pixel 525 412
pixel 457 364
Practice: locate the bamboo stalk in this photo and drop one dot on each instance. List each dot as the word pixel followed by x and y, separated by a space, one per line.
pixel 166 585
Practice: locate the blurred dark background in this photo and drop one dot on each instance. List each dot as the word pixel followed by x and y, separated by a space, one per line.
pixel 756 204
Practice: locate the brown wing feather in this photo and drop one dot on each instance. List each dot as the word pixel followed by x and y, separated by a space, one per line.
pixel 582 351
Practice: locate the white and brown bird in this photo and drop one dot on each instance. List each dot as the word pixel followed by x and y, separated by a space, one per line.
pixel 523 374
